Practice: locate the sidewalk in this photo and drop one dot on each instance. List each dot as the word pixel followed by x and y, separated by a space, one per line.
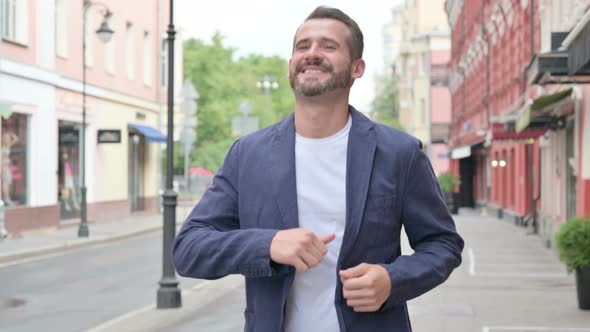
pixel 33 245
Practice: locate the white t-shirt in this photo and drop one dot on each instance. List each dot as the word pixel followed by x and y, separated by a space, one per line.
pixel 321 200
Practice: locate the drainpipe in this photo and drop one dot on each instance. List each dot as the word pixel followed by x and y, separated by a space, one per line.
pixel 486 100
pixel 3 232
pixel 530 147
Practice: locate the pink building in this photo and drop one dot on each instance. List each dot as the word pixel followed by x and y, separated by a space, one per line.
pixel 41 84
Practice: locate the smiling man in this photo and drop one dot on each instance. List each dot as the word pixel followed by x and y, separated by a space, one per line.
pixel 317 236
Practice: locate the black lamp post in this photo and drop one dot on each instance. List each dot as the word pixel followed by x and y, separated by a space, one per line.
pixel 169 293
pixel 104 34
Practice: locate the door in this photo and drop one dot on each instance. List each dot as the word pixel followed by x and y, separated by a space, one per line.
pixel 136 172
pixel 68 173
pixel 569 173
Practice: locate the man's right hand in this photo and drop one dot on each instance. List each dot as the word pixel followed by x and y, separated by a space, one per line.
pixel 300 248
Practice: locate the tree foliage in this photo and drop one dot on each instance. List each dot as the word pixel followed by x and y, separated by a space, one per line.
pixel 385 104
pixel 223 83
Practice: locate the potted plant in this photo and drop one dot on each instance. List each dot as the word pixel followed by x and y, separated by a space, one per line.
pixel 572 241
pixel 448 182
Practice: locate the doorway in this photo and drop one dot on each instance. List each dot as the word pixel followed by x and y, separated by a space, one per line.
pixel 68 170
pixel 136 171
pixel 571 195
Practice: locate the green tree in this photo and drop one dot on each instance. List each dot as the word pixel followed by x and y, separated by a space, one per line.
pixel 223 83
pixel 385 104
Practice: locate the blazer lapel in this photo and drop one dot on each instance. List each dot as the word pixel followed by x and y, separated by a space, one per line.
pixel 360 155
pixel 283 171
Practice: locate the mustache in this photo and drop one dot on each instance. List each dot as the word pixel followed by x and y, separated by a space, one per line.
pixel 299 67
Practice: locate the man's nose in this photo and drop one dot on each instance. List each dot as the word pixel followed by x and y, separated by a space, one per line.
pixel 312 54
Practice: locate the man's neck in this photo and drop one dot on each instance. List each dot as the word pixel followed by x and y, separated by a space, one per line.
pixel 321 116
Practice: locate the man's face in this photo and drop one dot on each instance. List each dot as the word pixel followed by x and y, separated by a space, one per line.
pixel 321 59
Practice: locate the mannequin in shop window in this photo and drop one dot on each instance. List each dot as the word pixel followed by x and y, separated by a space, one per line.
pixel 9 139
pixel 69 192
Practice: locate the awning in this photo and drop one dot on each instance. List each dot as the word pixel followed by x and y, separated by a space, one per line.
pixel 540 113
pixel 500 133
pixel 153 135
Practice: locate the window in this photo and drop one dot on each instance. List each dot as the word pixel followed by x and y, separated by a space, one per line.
pixel 13 159
pixel 147 58
pixel 61 28
pixel 14 20
pixel 130 52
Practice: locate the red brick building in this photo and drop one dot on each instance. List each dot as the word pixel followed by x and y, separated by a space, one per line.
pixel 506 113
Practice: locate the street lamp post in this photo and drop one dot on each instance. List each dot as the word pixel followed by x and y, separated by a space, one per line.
pixel 104 34
pixel 267 83
pixel 169 294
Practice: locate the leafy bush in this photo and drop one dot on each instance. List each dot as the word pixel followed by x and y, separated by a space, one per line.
pixel 447 182
pixel 573 243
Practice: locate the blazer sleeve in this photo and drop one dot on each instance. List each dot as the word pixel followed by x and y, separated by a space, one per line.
pixel 211 245
pixel 431 233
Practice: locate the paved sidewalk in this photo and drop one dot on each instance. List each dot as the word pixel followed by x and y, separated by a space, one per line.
pixel 36 244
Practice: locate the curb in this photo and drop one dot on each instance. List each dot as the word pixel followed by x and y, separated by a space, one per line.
pixel 73 244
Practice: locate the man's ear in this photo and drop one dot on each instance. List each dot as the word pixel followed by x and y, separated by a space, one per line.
pixel 358 68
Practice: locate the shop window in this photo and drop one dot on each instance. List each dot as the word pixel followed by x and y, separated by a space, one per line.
pixel 13 160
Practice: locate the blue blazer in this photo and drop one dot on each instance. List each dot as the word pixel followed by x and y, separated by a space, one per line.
pixel 389 183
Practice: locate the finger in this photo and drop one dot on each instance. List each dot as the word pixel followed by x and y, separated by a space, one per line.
pixel 360 302
pixel 366 308
pixel 361 282
pixel 356 294
pixel 299 265
pixel 355 272
pixel 309 259
pixel 327 238
pixel 320 247
pixel 316 253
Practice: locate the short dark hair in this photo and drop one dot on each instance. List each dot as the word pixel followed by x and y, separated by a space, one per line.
pixel 356 43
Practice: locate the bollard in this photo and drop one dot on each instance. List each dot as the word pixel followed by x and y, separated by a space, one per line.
pixel 3 232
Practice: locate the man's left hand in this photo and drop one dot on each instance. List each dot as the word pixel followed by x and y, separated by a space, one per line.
pixel 365 287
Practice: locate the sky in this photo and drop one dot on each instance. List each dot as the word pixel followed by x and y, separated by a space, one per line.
pixel 267 27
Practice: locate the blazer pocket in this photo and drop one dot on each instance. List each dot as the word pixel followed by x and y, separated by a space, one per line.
pixel 379 223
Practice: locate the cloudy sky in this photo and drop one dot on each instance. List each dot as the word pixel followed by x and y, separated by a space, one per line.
pixel 267 27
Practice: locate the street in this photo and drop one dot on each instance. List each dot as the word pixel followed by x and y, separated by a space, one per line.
pixel 82 288
pixel 508 281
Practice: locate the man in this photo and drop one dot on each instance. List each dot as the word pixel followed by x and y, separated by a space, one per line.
pixel 310 209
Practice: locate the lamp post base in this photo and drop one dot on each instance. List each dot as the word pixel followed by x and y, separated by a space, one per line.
pixel 169 295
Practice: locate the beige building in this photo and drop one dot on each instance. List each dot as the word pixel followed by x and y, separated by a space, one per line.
pixel 422 76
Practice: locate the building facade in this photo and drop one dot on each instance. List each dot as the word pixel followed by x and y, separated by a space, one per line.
pixel 423 77
pixel 516 133
pixel 44 90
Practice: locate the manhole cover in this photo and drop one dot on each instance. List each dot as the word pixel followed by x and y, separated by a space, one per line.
pixel 11 303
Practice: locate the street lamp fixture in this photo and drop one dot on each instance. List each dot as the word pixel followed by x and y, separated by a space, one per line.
pixel 267 83
pixel 105 33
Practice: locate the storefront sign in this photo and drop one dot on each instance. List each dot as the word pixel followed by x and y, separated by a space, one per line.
pixel 461 152
pixel 109 136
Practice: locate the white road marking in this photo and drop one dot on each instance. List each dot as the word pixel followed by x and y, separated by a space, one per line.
pixel 471 261
pixel 533 328
pixel 139 311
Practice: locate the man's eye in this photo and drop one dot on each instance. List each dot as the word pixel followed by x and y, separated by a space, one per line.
pixel 330 47
pixel 302 47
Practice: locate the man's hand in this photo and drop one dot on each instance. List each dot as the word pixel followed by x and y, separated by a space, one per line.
pixel 365 287
pixel 299 247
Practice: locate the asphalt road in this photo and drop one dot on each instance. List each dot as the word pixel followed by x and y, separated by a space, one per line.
pixel 79 289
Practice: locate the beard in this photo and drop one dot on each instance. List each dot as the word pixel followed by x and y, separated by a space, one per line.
pixel 313 87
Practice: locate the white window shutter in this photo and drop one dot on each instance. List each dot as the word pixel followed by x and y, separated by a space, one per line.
pixel 22 22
